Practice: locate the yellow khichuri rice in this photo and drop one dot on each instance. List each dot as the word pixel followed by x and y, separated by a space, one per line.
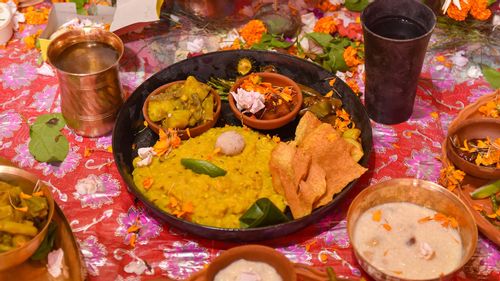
pixel 210 201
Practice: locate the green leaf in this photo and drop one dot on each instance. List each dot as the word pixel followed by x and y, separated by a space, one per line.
pixel 491 2
pixel 47 146
pixel 322 39
pixel 47 244
pixel 356 5
pixel 53 121
pixel 491 75
pixel 262 213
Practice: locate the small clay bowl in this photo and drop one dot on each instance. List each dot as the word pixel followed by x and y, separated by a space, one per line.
pixel 477 128
pixel 182 133
pixel 285 268
pixel 276 80
pixel 419 192
pixel 27 182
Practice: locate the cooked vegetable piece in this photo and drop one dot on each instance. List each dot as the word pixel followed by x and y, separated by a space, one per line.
pixel 18 228
pixel 203 167
pixel 21 215
pixel 486 190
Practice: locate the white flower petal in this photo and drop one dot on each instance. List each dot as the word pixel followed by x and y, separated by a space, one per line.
pixel 55 262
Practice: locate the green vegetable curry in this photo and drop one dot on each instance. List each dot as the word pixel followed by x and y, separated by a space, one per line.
pixel 21 216
pixel 183 105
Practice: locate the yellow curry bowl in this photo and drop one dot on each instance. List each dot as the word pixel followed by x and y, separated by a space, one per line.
pixel 27 182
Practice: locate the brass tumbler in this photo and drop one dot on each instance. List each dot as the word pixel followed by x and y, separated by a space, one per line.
pixel 91 93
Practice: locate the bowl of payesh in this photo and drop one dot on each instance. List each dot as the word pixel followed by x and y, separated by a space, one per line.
pixel 410 229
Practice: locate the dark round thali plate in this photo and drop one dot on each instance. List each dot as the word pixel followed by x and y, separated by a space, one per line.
pixel 129 133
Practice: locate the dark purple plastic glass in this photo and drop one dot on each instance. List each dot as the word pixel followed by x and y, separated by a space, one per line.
pixel 396 35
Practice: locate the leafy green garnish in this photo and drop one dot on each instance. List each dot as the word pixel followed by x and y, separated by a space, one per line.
pixel 269 41
pixel 356 5
pixel 321 38
pixel 47 144
pixel 491 75
pixel 47 244
pixel 332 58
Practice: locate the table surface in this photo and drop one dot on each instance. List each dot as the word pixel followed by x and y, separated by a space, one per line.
pixel 100 220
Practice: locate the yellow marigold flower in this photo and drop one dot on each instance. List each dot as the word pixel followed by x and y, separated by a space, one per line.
pixel 252 32
pixel 491 108
pixel 30 40
pixel 36 16
pixel 326 25
pixel 351 57
pixel 479 9
pixel 459 15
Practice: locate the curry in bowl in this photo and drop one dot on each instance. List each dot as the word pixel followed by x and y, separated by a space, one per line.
pixel 188 106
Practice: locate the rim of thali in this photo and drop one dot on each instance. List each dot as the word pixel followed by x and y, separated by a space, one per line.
pixel 237 234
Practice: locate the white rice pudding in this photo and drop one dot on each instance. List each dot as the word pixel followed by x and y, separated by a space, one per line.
pixel 408 241
pixel 244 270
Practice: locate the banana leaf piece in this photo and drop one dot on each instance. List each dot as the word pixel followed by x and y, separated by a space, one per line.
pixel 262 213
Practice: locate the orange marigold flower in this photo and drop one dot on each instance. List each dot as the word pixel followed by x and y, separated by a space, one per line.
pixel 351 57
pixel 451 178
pixel 459 14
pixel 252 32
pixel 353 85
pixel 326 6
pixel 36 16
pixel 479 9
pixel 326 25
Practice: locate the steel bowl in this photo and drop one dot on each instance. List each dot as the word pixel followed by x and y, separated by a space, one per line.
pixel 420 192
pixel 27 182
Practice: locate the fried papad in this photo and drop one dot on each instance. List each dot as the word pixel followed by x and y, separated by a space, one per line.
pixel 330 151
pixel 306 125
pixel 282 174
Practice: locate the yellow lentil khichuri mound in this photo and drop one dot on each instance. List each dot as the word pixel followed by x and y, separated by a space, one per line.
pixel 214 201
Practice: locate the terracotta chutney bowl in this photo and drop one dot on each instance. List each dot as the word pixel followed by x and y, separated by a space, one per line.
pixel 27 182
pixel 276 80
pixel 287 270
pixel 422 193
pixel 182 133
pixel 477 128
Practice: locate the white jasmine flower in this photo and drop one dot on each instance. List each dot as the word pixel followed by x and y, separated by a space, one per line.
pixel 229 39
pixel 138 267
pixel 45 70
pixel 90 185
pixel 55 262
pixel 308 22
pixel 459 59
pixel 474 72
pixel 195 46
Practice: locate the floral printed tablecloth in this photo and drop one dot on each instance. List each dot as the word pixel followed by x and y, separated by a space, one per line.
pixel 94 198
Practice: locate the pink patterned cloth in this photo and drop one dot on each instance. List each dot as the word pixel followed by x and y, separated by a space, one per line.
pixel 99 208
